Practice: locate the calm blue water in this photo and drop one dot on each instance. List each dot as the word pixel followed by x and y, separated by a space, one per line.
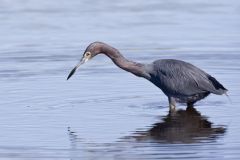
pixel 104 112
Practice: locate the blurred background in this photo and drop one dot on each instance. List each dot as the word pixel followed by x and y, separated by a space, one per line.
pixel 104 112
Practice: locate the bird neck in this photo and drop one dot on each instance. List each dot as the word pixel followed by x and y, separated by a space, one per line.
pixel 135 68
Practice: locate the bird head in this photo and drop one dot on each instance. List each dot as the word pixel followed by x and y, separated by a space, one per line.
pixel 91 51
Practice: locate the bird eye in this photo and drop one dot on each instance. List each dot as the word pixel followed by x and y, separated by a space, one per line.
pixel 87 54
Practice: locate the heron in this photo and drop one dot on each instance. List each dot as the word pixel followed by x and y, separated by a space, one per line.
pixel 180 81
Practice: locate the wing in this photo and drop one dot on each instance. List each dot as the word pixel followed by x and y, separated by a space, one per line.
pixel 181 78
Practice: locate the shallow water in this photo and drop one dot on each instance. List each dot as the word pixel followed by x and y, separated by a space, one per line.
pixel 104 112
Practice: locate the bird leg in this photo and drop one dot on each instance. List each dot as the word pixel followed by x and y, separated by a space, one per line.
pixel 190 104
pixel 172 104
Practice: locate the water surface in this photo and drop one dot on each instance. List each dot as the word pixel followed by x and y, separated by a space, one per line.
pixel 104 112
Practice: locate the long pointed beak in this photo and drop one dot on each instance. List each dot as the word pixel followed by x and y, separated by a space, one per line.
pixel 83 60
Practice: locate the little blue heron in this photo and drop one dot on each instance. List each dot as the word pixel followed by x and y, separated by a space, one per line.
pixel 180 81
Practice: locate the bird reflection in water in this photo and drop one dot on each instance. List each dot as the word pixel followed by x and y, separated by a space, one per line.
pixel 181 126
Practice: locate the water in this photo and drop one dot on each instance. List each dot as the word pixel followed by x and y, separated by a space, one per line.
pixel 104 112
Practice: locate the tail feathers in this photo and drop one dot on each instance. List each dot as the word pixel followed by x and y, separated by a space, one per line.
pixel 218 86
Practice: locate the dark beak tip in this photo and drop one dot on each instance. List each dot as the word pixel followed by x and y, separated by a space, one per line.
pixel 71 73
pixel 68 77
